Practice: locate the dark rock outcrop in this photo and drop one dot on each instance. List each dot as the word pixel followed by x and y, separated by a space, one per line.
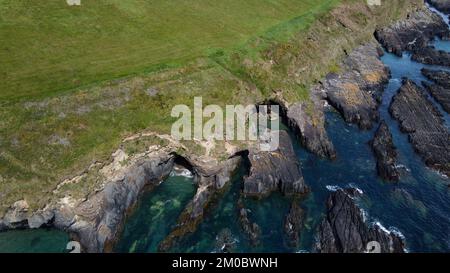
pixel 440 94
pixel 272 171
pixel 345 230
pixel 384 149
pixel 440 91
pixel 413 33
pixel 423 122
pixel 356 93
pixel 441 5
pixel 430 55
pixel 293 223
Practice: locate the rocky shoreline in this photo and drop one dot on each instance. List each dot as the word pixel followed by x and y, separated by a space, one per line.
pixel 355 92
pixel 414 33
pixel 96 221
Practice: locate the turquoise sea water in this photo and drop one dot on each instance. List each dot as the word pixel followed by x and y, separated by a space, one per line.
pixel 156 215
pixel 33 241
pixel 422 216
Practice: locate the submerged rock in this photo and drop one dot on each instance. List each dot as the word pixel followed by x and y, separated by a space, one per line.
pixel 441 5
pixel 272 171
pixel 424 124
pixel 356 93
pixel 225 241
pixel 413 33
pixel 252 230
pixel 293 223
pixel 403 198
pixel 384 149
pixel 345 230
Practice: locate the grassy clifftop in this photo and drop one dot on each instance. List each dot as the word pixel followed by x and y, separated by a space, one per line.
pixel 64 103
pixel 48 46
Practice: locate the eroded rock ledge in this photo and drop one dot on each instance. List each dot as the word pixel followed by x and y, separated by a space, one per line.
pixel 307 120
pixel 440 91
pixel 356 92
pixel 345 230
pixel 424 124
pixel 386 154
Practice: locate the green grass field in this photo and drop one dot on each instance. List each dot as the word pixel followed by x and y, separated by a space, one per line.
pixel 47 46
pixel 75 81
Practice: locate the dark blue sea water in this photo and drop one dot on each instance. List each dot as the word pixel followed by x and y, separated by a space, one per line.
pixel 422 216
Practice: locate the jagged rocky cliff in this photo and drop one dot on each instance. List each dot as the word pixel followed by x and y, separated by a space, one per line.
pixel 345 229
pixel 309 125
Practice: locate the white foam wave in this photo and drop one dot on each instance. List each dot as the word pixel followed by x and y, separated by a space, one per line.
pixel 333 188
